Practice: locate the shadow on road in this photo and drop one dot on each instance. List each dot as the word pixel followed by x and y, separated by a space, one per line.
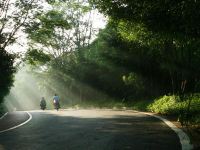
pixel 53 132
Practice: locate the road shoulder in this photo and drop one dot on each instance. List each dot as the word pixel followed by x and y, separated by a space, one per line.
pixel 13 119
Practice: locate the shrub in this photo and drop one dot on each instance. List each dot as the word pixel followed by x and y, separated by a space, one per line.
pixel 172 105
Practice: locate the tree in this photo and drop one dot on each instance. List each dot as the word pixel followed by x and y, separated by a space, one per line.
pixel 13 16
pixel 174 26
pixel 65 28
pixel 7 70
pixel 61 34
pixel 164 16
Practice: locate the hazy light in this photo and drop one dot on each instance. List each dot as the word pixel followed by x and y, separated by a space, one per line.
pixel 29 88
pixel 24 94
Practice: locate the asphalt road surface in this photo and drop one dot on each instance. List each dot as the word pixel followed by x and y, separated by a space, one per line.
pixel 90 130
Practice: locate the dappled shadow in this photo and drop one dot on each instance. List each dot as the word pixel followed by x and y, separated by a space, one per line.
pixel 47 131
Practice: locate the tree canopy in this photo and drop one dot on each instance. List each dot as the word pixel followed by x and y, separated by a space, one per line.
pixel 148 48
pixel 163 16
pixel 13 16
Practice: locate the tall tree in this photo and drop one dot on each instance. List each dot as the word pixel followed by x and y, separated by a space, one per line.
pixel 61 34
pixel 13 16
pixel 65 28
pixel 175 23
pixel 180 16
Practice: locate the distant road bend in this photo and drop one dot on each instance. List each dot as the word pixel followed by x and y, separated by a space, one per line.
pixel 90 130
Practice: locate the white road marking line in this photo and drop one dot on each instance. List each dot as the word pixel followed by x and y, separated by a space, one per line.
pixel 30 117
pixel 4 115
pixel 184 139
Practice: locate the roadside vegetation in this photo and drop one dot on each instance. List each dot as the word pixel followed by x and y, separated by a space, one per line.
pixel 164 105
pixel 146 58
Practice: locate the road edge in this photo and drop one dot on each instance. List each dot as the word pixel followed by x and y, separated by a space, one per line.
pixel 30 117
pixel 183 137
pixel 3 115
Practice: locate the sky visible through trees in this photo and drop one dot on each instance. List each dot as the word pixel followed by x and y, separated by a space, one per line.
pixel 146 49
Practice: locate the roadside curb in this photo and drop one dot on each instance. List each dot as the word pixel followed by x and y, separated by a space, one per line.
pixel 3 115
pixel 21 124
pixel 183 137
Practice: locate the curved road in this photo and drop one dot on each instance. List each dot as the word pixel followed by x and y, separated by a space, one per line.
pixel 90 130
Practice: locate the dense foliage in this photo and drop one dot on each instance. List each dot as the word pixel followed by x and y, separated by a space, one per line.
pixel 147 49
pixel 7 70
pixel 13 16
pixel 163 37
pixel 170 29
pixel 142 54
pixel 162 16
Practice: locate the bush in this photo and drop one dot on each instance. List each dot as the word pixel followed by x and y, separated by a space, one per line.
pixel 172 105
pixel 164 105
